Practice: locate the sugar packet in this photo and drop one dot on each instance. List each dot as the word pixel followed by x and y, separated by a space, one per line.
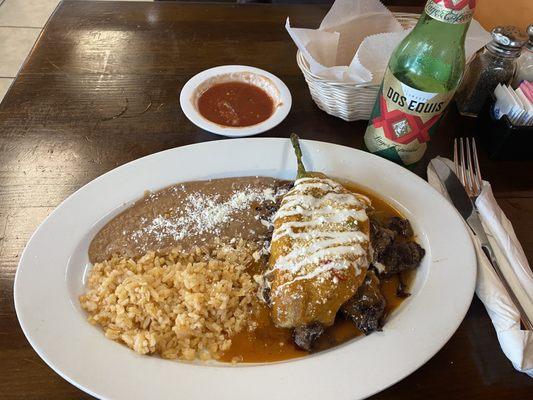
pixel 513 103
pixel 527 88
pixel 527 118
pixel 504 102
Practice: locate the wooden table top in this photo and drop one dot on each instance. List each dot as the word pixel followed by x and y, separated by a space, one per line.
pixel 101 87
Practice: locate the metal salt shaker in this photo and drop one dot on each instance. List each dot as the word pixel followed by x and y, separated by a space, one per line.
pixel 524 69
pixel 495 63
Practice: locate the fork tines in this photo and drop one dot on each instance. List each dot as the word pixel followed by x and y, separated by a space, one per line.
pixel 467 165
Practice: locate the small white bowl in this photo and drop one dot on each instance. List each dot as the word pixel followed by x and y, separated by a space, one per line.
pixel 271 84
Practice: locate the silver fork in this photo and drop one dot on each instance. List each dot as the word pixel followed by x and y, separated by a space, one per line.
pixel 467 170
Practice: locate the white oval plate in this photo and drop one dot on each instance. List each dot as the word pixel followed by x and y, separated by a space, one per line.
pixel 188 97
pixel 52 268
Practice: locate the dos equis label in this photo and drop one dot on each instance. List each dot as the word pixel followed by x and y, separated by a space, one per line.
pixel 403 120
pixel 451 11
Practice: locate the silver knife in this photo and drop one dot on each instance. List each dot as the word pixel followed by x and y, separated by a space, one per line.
pixel 459 198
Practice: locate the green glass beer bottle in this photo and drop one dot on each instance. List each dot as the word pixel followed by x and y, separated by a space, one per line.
pixel 419 82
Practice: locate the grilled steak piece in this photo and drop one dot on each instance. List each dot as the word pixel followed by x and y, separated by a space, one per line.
pixel 366 308
pixel 401 226
pixel 410 255
pixel 305 336
pixel 392 253
pixel 380 237
pixel 401 257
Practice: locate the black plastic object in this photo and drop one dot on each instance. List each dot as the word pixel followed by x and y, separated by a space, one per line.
pixel 502 139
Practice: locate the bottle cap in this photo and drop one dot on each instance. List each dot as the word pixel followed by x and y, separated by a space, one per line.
pixel 507 41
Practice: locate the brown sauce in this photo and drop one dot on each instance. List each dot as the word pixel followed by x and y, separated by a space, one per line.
pixel 235 104
pixel 267 343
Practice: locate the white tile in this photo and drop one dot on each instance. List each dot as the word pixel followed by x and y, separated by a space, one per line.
pixel 15 44
pixel 27 13
pixel 4 85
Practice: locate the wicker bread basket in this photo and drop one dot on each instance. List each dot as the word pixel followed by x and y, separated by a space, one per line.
pixel 349 101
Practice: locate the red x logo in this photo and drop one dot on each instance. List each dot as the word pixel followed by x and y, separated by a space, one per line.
pixel 418 129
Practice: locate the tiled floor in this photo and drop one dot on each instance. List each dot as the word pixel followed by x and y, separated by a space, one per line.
pixel 21 21
pixel 15 44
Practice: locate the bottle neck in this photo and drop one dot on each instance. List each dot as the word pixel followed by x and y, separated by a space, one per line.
pixel 446 11
pixel 442 33
pixel 437 17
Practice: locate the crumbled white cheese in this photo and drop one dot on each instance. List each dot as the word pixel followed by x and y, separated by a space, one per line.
pixel 202 213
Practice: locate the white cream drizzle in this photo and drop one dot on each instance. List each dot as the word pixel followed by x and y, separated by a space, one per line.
pixel 340 264
pixel 315 220
pixel 321 181
pixel 324 218
pixel 307 201
pixel 315 253
pixel 324 184
pixel 342 237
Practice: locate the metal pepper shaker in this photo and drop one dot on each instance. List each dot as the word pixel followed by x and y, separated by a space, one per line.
pixel 495 63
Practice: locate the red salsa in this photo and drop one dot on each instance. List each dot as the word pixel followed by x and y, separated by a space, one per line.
pixel 235 104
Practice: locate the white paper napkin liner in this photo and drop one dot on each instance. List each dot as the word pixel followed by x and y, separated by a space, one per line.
pixel 351 21
pixel 350 18
pixel 516 344
pixel 323 64
pixel 344 11
pixel 374 53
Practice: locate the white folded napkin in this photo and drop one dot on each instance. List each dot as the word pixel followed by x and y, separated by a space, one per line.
pixel 516 343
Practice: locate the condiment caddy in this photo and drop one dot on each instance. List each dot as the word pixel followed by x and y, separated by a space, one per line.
pixel 503 139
